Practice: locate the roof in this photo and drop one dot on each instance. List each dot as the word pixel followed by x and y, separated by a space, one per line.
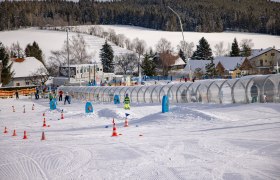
pixel 179 62
pixel 256 53
pixel 27 67
pixel 229 63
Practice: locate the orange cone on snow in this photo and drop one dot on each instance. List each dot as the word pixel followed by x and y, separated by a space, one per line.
pixel 5 130
pixel 14 134
pixel 25 135
pixel 114 129
pixel 43 136
pixel 33 107
pixel 44 123
pixel 125 123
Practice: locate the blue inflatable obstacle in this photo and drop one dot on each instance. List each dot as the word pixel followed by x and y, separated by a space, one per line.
pixel 89 108
pixel 53 104
pixel 165 104
pixel 116 99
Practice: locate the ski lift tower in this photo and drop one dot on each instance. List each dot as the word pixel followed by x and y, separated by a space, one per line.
pixel 188 62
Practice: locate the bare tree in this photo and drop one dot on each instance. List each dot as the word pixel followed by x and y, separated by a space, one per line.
pixel 120 40
pixel 166 61
pixel 126 62
pixel 186 47
pixel 128 44
pixel 163 46
pixel 219 49
pixel 139 48
pixel 16 50
pixel 39 77
pixel 77 54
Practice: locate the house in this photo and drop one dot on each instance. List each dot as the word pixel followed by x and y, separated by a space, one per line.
pixel 264 61
pixel 178 66
pixel 82 72
pixel 260 62
pixel 225 66
pixel 26 70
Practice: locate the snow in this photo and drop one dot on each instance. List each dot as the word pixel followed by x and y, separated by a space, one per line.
pixel 153 36
pixel 27 67
pixel 192 141
pixel 229 63
pixel 53 40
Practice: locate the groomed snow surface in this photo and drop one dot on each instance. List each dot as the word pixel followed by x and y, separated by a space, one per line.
pixel 192 141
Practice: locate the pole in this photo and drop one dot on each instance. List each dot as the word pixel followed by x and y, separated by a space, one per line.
pixel 68 57
pixel 188 62
pixel 94 74
pixel 88 74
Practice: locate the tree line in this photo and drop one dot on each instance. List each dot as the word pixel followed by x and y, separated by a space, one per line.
pixel 260 16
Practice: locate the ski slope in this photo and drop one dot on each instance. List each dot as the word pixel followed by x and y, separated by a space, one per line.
pixel 192 141
pixel 53 40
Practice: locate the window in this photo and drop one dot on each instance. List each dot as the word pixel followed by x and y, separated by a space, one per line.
pixel 17 84
pixel 265 61
pixel 27 83
pixel 272 54
pixel 261 62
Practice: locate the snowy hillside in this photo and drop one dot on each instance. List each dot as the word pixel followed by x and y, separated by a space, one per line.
pixel 193 141
pixel 152 36
pixel 53 40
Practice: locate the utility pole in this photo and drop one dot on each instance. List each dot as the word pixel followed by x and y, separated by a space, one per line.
pixel 188 62
pixel 68 57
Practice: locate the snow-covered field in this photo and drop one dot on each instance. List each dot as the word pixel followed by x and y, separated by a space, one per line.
pixel 53 40
pixel 192 141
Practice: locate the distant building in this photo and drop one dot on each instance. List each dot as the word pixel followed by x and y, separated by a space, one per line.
pixel 25 69
pixel 82 72
pixel 260 62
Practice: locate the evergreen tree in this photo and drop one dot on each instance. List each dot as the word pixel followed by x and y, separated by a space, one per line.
pixel 107 58
pixel 34 51
pixel 6 74
pixel 182 55
pixel 210 69
pixel 203 51
pixel 148 66
pixel 235 51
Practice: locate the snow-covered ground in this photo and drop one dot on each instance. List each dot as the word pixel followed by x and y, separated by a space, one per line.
pixel 53 40
pixel 192 141
pixel 261 41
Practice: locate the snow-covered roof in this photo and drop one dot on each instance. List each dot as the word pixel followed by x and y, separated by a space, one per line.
pixel 179 62
pixel 229 63
pixel 194 64
pixel 27 67
pixel 256 53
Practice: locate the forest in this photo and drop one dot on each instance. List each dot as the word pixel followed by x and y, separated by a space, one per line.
pixel 258 16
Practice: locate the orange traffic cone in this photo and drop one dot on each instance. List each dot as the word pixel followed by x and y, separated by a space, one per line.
pixel 43 136
pixel 33 107
pixel 14 134
pixel 125 123
pixel 62 116
pixel 114 130
pixel 5 130
pixel 24 135
pixel 14 109
pixel 44 123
